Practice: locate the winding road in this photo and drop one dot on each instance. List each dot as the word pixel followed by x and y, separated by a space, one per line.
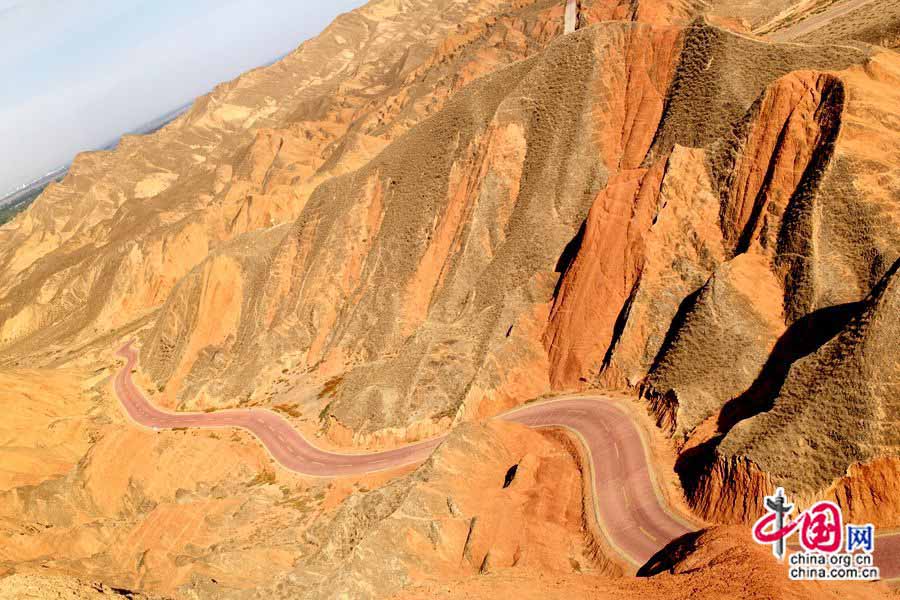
pixel 628 507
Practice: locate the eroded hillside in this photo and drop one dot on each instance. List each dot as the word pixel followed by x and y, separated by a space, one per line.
pixel 435 212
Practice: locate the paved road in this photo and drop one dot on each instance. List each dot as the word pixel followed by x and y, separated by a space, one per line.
pixel 814 22
pixel 625 500
pixel 285 444
pixel 627 506
pixel 887 556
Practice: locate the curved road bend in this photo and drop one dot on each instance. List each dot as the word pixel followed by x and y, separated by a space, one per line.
pixel 626 503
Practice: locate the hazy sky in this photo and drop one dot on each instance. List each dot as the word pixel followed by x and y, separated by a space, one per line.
pixel 74 74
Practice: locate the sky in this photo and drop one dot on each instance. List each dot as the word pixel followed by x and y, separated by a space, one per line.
pixel 76 74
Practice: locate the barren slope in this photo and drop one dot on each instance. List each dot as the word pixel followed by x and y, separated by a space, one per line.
pixel 431 213
pixel 107 245
pixel 717 563
pixel 413 288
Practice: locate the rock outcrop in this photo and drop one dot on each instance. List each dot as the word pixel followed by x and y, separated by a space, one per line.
pixel 831 289
pixel 838 405
pixel 720 347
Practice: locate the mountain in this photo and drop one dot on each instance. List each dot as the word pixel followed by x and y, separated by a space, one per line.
pixel 19 200
pixel 438 211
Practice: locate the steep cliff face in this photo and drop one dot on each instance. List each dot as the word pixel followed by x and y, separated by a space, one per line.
pixel 825 429
pixel 729 329
pixel 464 289
pixel 690 272
pixel 682 247
pixel 701 110
pixel 408 276
pixel 837 408
pixel 832 292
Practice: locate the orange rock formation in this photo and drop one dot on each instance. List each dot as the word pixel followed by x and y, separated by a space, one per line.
pixel 431 213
